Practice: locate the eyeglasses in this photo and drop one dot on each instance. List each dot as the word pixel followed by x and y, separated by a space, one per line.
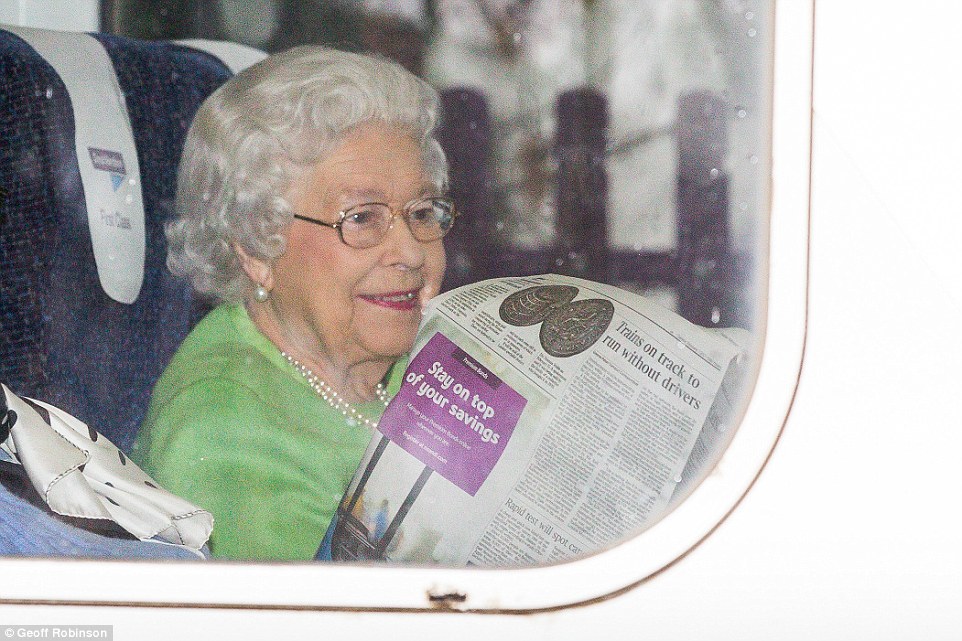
pixel 364 226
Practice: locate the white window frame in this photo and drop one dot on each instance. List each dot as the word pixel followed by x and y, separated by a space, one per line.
pixel 625 566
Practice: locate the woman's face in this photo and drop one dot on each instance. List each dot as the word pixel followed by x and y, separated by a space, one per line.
pixel 348 305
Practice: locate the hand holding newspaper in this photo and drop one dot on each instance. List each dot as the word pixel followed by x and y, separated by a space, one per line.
pixel 540 418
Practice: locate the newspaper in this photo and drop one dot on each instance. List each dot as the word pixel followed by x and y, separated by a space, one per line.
pixel 540 418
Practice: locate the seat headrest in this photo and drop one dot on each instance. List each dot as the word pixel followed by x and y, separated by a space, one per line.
pixel 106 156
pixel 64 337
pixel 236 56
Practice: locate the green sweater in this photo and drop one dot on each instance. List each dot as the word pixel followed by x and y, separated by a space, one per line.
pixel 233 427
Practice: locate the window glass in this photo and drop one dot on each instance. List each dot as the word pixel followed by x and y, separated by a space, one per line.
pixel 684 97
pixel 624 144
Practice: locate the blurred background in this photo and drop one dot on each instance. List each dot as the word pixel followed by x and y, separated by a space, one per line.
pixel 623 141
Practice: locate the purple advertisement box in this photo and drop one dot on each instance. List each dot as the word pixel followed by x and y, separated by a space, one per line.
pixel 452 414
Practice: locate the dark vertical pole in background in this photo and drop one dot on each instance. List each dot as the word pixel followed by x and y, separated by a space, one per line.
pixel 108 16
pixel 465 136
pixel 162 19
pixel 582 116
pixel 705 292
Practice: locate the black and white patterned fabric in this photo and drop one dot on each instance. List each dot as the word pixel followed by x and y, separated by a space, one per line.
pixel 79 474
pixel 62 338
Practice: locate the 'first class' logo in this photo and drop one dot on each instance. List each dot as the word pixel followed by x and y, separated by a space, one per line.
pixel 110 161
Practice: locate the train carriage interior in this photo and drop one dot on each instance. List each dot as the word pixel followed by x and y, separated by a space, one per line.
pixel 91 316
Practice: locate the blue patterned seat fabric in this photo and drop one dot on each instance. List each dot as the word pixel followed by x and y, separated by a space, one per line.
pixel 61 338
pixel 29 530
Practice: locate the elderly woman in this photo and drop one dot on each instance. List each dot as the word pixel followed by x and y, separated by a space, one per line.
pixel 310 204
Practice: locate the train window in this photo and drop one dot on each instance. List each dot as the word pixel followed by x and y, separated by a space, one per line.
pixel 604 336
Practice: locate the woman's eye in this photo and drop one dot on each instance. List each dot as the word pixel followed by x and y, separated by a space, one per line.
pixel 423 215
pixel 361 218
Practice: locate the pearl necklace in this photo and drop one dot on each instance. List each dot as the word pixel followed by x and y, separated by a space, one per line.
pixel 334 399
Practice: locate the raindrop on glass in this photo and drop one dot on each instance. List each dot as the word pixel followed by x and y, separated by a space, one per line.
pixel 49 93
pixel 753 160
pixel 559 262
pixel 715 315
pixel 677 479
pixel 741 113
pixel 129 199
pixel 713 173
pixel 749 15
pixel 752 32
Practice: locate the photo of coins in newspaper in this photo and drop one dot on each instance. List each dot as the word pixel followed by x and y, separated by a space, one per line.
pixel 568 328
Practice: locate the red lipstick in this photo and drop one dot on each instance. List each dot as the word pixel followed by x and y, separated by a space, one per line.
pixel 406 300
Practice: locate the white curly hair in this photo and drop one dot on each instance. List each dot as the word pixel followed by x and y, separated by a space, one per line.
pixel 251 137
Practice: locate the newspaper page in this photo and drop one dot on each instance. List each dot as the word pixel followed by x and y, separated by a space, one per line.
pixel 540 418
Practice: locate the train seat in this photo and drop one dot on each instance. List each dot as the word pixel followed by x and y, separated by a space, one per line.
pixel 92 128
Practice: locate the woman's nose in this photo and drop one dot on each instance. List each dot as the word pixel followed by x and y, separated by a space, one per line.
pixel 402 248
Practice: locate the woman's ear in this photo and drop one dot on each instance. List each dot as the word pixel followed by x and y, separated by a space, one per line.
pixel 260 272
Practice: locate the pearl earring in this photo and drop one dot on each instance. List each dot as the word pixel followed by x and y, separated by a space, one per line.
pixel 261 294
